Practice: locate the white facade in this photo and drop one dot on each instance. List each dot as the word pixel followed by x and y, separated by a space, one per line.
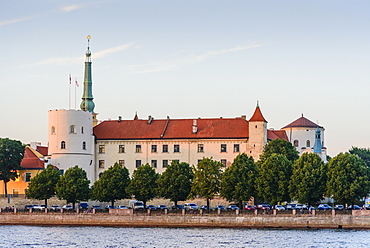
pixel 71 140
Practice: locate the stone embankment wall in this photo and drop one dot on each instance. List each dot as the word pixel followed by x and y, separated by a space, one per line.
pixel 187 220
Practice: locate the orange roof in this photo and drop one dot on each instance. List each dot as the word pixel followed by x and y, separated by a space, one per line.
pixel 276 134
pixel 257 116
pixel 302 122
pixel 43 150
pixel 31 159
pixel 172 129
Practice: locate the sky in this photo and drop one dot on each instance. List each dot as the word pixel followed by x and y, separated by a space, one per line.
pixel 189 59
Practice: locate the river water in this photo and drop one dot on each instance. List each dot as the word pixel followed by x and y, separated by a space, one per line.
pixel 38 236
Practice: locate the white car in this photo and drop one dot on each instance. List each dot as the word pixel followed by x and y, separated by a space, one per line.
pixel 122 207
pixel 67 207
pixel 190 206
pixel 39 207
pixel 279 207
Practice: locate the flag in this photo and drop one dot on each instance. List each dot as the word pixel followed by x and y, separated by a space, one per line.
pixel 70 80
pixel 77 83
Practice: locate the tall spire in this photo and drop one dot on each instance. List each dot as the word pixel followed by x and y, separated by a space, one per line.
pixel 87 103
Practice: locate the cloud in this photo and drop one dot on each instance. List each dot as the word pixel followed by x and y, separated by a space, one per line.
pixel 8 22
pixel 157 67
pixel 71 8
pixel 112 50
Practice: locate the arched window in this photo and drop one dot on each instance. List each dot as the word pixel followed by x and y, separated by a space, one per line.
pixel 72 129
pixel 295 143
pixel 308 143
pixel 101 173
pixel 82 129
pixel 52 131
pixel 84 145
pixel 63 145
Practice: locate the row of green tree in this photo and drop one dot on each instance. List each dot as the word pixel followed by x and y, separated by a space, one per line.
pixel 280 175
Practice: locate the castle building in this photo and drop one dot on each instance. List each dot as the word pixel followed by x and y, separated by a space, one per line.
pixel 75 138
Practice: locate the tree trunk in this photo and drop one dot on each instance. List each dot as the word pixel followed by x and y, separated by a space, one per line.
pixel 46 203
pixel 175 204
pixel 112 203
pixel 6 188
pixel 207 204
pixel 241 204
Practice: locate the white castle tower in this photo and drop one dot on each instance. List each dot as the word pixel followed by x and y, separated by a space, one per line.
pixel 70 132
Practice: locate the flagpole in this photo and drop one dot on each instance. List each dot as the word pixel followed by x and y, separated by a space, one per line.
pixel 69 93
pixel 75 93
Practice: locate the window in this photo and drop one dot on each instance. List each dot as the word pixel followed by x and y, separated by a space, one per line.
pixel 164 163
pixel 295 143
pixel 72 129
pixel 154 148
pixel 138 163
pixel 100 174
pixel 82 129
pixel 165 148
pixel 84 145
pixel 61 172
pixel 236 148
pixel 52 131
pixel 200 148
pixel 154 163
pixel 63 145
pixel 121 148
pixel 176 148
pixel 101 164
pixel 223 148
pixel 138 149
pixel 122 163
pixel 101 148
pixel 223 162
pixel 27 178
pixel 308 143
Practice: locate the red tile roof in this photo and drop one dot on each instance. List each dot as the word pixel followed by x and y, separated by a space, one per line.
pixel 31 159
pixel 43 150
pixel 172 129
pixel 302 122
pixel 277 134
pixel 257 116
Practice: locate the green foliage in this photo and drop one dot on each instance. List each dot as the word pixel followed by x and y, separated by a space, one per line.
pixel 175 182
pixel 73 186
pixel 112 185
pixel 279 146
pixel 11 155
pixel 273 179
pixel 348 178
pixel 143 184
pixel 207 179
pixel 308 181
pixel 238 181
pixel 363 153
pixel 42 186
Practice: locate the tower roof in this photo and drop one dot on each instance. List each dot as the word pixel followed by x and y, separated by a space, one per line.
pixel 257 115
pixel 302 122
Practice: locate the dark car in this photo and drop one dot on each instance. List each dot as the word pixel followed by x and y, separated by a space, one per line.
pixel 84 206
pixel 291 206
pixel 151 207
pixel 178 206
pixel 249 207
pixel 355 207
pixel 221 207
pixel 264 206
pixel 204 207
pixel 338 207
pixel 232 207
pixel 162 207
pixel 97 207
pixel 54 208
pixel 109 207
pixel 324 207
pixel 28 207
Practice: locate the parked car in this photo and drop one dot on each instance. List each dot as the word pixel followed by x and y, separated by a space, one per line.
pixel 291 206
pixel 28 207
pixel 162 207
pixel 109 207
pixel 39 207
pixel 151 207
pixel 301 206
pixel 338 207
pixel 221 207
pixel 250 207
pixel 324 207
pixel 138 205
pixel 232 207
pixel 190 206
pixel 264 206
pixel 97 207
pixel 67 207
pixel 355 207
pixel 84 206
pixel 366 206
pixel 178 206
pixel 54 208
pixel 204 207
pixel 279 207
pixel 122 207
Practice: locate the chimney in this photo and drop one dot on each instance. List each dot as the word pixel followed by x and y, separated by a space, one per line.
pixel 150 119
pixel 119 118
pixel 244 117
pixel 195 126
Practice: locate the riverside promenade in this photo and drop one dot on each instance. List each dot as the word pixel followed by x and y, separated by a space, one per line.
pixel 357 219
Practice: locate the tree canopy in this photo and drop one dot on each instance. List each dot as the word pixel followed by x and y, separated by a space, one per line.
pixel 348 178
pixel 279 146
pixel 238 181
pixel 11 155
pixel 143 184
pixel 111 185
pixel 273 179
pixel 175 182
pixel 308 180
pixel 73 186
pixel 363 153
pixel 42 186
pixel 207 179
